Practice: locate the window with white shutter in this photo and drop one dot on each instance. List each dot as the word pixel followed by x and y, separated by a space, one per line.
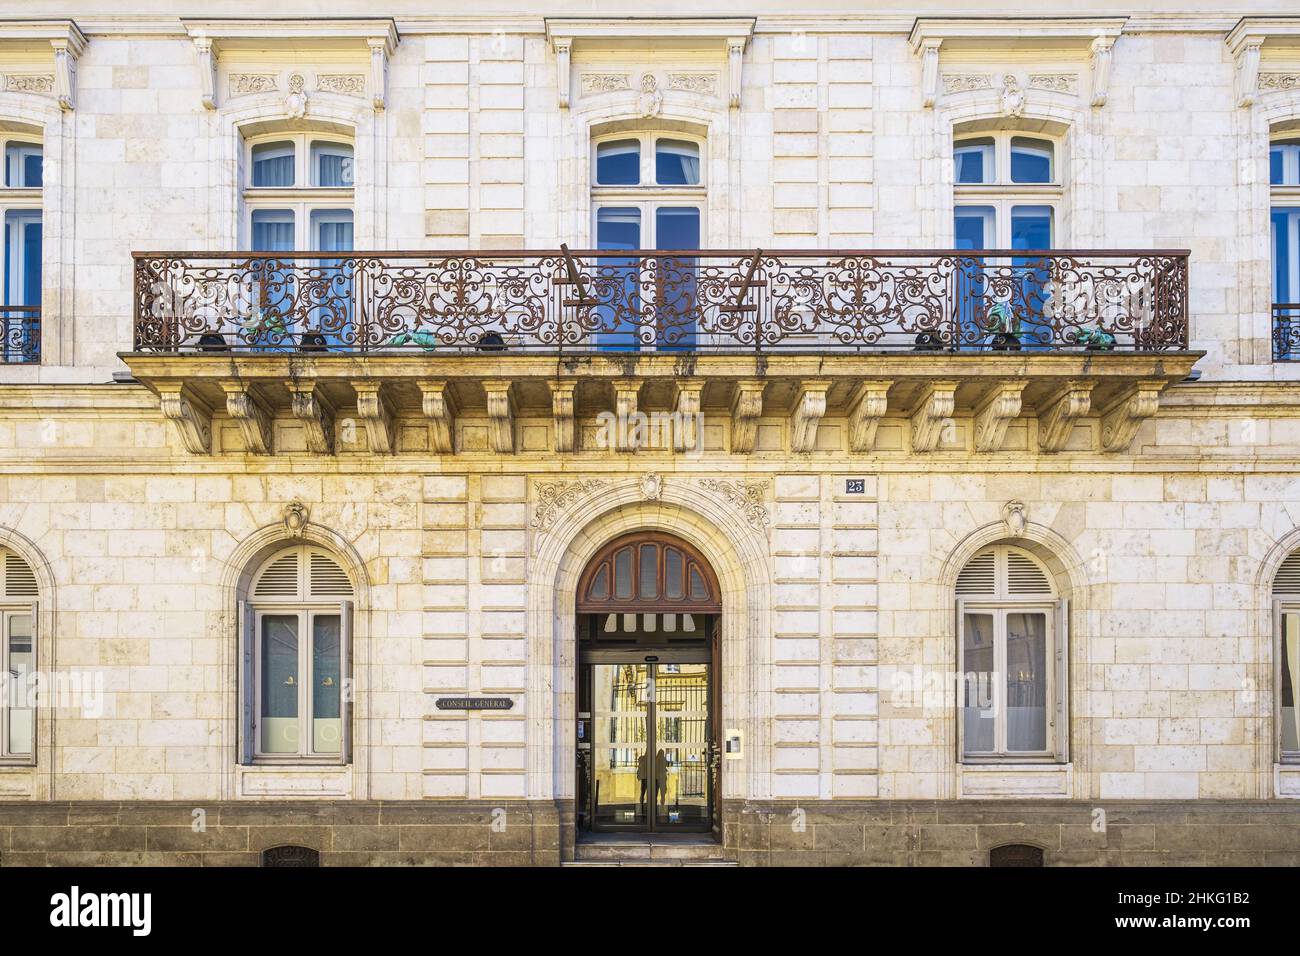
pixel 1013 659
pixel 295 653
pixel 18 648
pixel 1286 676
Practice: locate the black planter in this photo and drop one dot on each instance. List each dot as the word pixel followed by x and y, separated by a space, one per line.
pixel 927 342
pixel 213 342
pixel 491 342
pixel 1006 342
pixel 312 342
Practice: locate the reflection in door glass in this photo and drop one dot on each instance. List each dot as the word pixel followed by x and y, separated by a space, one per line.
pixel 620 774
pixel 681 746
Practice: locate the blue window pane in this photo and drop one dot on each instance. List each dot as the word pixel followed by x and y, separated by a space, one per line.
pixel 330 325
pixel 33 166
pixel 332 164
pixel 618 228
pixel 973 161
pixel 1286 254
pixel 273 165
pixel 677 228
pixel 22 257
pixel 1275 166
pixel 1284 163
pixel 973 228
pixel 273 230
pixel 618 163
pixel 1031 228
pixel 1031 160
pixel 23 165
pixel 677 163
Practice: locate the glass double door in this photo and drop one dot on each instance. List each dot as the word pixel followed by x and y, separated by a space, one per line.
pixel 650 757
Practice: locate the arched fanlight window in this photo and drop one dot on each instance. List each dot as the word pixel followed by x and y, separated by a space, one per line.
pixel 649 572
pixel 18 616
pixel 296 640
pixel 1286 625
pixel 1012 657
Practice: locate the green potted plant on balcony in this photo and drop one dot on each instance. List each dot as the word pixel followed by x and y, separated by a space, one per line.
pixel 1096 340
pixel 1005 328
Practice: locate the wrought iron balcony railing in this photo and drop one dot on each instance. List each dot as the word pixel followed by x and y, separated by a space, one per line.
pixel 1286 332
pixel 692 300
pixel 22 333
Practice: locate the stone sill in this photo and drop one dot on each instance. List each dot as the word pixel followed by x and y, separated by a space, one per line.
pixel 296 783
pixel 1015 781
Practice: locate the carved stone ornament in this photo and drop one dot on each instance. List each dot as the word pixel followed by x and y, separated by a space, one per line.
pixel 295 104
pixel 349 84
pixel 596 83
pixel 966 82
pixel 29 83
pixel 1015 516
pixel 652 487
pixel 242 84
pixel 295 518
pixel 651 101
pixel 745 496
pixel 1013 97
pixel 705 84
pixel 1276 82
pixel 1055 82
pixel 554 497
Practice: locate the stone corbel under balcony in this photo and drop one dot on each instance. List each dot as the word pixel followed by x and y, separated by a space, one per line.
pixel 562 413
pixel 627 393
pixel 1122 419
pixel 439 407
pixel 501 415
pixel 999 408
pixel 191 417
pixel 1057 422
pixel 686 428
pixel 931 414
pixel 254 420
pixel 746 407
pixel 309 405
pixel 376 413
pixel 809 408
pixel 867 406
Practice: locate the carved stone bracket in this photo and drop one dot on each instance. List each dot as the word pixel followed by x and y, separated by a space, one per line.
pixel 66 52
pixel 1056 423
pixel 562 411
pixel 929 53
pixel 996 411
pixel 931 414
pixel 251 415
pixel 315 413
pixel 867 405
pixel 686 429
pixel 1102 52
pixel 380 48
pixel 746 407
pixel 626 393
pixel 563 52
pixel 191 417
pixel 735 64
pixel 808 410
pixel 440 409
pixel 1248 71
pixel 1121 420
pixel 501 415
pixel 376 413
pixel 207 72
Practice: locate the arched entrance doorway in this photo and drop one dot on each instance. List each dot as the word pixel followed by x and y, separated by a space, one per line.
pixel 648 610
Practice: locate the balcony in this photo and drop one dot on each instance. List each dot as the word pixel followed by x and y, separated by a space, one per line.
pixel 22 334
pixel 562 334
pixel 1286 332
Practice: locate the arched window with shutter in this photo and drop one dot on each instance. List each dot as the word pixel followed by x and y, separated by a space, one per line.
pixel 18 617
pixel 296 649
pixel 1012 655
pixel 1286 625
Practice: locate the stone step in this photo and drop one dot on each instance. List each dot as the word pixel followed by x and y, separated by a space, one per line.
pixel 646 851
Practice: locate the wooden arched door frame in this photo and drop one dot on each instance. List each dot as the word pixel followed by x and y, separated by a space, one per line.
pixel 693 590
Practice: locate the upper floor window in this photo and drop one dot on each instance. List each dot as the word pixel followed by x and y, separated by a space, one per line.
pixel 1284 226
pixel 17 658
pixel 297 627
pixel 1006 192
pixel 299 193
pixel 648 192
pixel 20 206
pixel 1012 658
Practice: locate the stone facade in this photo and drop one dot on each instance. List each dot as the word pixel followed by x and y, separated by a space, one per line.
pixel 825 131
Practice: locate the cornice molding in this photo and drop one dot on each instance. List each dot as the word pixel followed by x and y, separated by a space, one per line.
pixel 679 29
pixel 1041 32
pixel 67 43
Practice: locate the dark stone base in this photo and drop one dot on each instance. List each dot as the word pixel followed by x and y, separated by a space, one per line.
pixel 757 833
pixel 961 833
pixel 501 833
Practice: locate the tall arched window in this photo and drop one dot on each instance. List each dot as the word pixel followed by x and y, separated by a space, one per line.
pixel 1012 659
pixel 20 206
pixel 1006 195
pixel 297 644
pixel 648 192
pixel 1286 625
pixel 1284 226
pixel 18 617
